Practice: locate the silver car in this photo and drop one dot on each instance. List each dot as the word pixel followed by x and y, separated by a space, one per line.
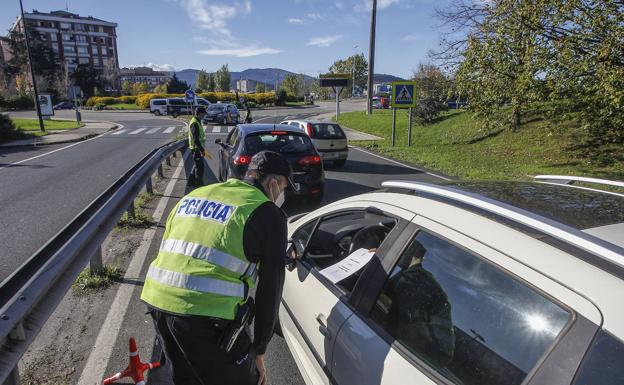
pixel 328 138
pixel 465 283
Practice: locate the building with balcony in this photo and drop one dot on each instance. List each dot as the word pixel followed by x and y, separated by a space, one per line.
pixel 144 75
pixel 75 39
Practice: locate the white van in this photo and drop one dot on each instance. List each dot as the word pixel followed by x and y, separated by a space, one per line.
pixel 158 107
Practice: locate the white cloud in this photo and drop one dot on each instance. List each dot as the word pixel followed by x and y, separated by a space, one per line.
pixel 315 16
pixel 155 67
pixel 411 38
pixel 213 16
pixel 239 51
pixel 294 20
pixel 365 5
pixel 323 41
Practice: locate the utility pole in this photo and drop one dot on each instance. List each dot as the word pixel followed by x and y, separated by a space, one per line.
pixel 353 70
pixel 32 70
pixel 371 60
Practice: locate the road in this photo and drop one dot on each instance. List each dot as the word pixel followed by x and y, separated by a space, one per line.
pixel 43 194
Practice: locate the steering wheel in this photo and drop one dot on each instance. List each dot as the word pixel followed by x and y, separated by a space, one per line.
pixel 369 237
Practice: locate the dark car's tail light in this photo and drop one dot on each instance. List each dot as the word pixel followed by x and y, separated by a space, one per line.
pixel 309 129
pixel 310 160
pixel 279 133
pixel 242 160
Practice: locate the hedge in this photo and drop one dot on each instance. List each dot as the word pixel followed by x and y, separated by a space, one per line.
pixel 213 97
pixel 8 131
pixel 18 103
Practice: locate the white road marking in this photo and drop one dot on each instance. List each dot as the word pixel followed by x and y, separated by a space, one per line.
pixel 138 130
pixel 266 117
pixel 169 130
pixel 119 132
pixel 216 129
pixel 48 153
pixel 399 163
pixel 93 371
pixel 153 130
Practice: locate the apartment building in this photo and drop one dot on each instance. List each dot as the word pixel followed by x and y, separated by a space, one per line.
pixel 144 75
pixel 76 39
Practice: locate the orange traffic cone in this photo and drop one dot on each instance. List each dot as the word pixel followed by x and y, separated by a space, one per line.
pixel 135 368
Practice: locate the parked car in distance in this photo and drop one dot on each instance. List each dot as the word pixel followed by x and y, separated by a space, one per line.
pixel 245 140
pixel 158 106
pixel 222 113
pixel 466 282
pixel 328 138
pixel 178 106
pixel 66 105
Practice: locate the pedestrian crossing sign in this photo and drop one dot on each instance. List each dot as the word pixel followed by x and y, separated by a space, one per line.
pixel 403 94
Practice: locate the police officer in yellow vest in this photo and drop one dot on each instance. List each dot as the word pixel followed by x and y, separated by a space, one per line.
pixel 197 139
pixel 220 242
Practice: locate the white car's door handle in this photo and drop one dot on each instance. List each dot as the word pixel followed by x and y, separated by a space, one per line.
pixel 322 321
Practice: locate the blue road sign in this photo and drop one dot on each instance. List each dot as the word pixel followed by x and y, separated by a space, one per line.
pixel 189 96
pixel 403 94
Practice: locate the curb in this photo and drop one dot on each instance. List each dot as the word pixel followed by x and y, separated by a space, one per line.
pixel 80 139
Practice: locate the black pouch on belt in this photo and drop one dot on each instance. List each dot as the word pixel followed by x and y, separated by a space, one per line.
pixel 244 315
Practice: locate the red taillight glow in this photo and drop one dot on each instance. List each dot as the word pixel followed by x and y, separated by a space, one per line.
pixel 309 129
pixel 242 160
pixel 310 160
pixel 279 133
pixel 315 191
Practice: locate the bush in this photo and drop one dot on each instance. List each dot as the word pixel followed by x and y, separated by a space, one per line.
pixel 99 106
pixel 8 131
pixel 251 104
pixel 18 103
pixel 282 97
pixel 128 99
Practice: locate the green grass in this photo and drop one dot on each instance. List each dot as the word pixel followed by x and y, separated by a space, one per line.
pixel 295 104
pixel 459 145
pixel 87 282
pixel 123 106
pixel 31 126
pixel 140 219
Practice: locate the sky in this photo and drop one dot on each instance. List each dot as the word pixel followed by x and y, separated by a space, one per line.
pixel 302 36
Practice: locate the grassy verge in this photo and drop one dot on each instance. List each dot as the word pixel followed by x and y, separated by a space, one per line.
pixel 140 219
pixel 123 106
pixel 459 145
pixel 294 104
pixel 31 126
pixel 87 282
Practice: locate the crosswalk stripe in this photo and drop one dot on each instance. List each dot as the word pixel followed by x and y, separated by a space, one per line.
pixel 119 132
pixel 153 130
pixel 216 129
pixel 138 131
pixel 169 130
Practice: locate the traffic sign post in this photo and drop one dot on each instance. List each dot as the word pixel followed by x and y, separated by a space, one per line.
pixel 337 82
pixel 189 97
pixel 403 96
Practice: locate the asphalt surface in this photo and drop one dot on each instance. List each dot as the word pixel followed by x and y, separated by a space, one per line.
pixel 42 195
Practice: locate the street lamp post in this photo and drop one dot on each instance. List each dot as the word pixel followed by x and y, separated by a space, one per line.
pixel 353 70
pixel 371 60
pixel 32 70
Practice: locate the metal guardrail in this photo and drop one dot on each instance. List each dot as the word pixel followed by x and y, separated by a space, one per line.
pixel 30 295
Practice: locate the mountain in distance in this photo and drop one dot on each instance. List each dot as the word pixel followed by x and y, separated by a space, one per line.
pixel 269 76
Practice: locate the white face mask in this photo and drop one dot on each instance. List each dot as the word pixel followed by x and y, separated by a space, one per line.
pixel 279 200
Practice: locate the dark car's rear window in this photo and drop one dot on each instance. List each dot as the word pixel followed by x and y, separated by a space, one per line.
pixel 286 143
pixel 578 208
pixel 603 363
pixel 327 131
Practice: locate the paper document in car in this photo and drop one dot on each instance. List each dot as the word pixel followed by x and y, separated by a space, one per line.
pixel 348 266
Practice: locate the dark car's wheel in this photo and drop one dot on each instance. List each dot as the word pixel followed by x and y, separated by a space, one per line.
pixel 157 112
pixel 340 163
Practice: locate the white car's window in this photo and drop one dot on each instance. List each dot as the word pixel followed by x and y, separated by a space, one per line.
pixel 294 124
pixel 339 235
pixel 465 318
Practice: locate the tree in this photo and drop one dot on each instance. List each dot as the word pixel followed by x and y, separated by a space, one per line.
pixel 87 78
pixel 161 89
pixel 260 88
pixel 321 93
pixel 126 88
pixel 432 90
pixel 292 85
pixel 140 88
pixel 347 66
pixel 212 86
pixel 176 86
pixel 222 79
pixel 202 80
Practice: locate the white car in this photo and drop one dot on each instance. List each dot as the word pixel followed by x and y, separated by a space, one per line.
pixel 465 283
pixel 177 106
pixel 328 138
pixel 158 106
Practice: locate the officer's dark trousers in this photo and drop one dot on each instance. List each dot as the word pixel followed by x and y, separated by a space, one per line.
pixel 198 170
pixel 191 347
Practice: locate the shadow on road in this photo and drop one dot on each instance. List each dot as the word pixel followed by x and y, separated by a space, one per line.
pixel 359 167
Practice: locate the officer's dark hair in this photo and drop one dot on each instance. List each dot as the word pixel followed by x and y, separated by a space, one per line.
pixel 200 110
